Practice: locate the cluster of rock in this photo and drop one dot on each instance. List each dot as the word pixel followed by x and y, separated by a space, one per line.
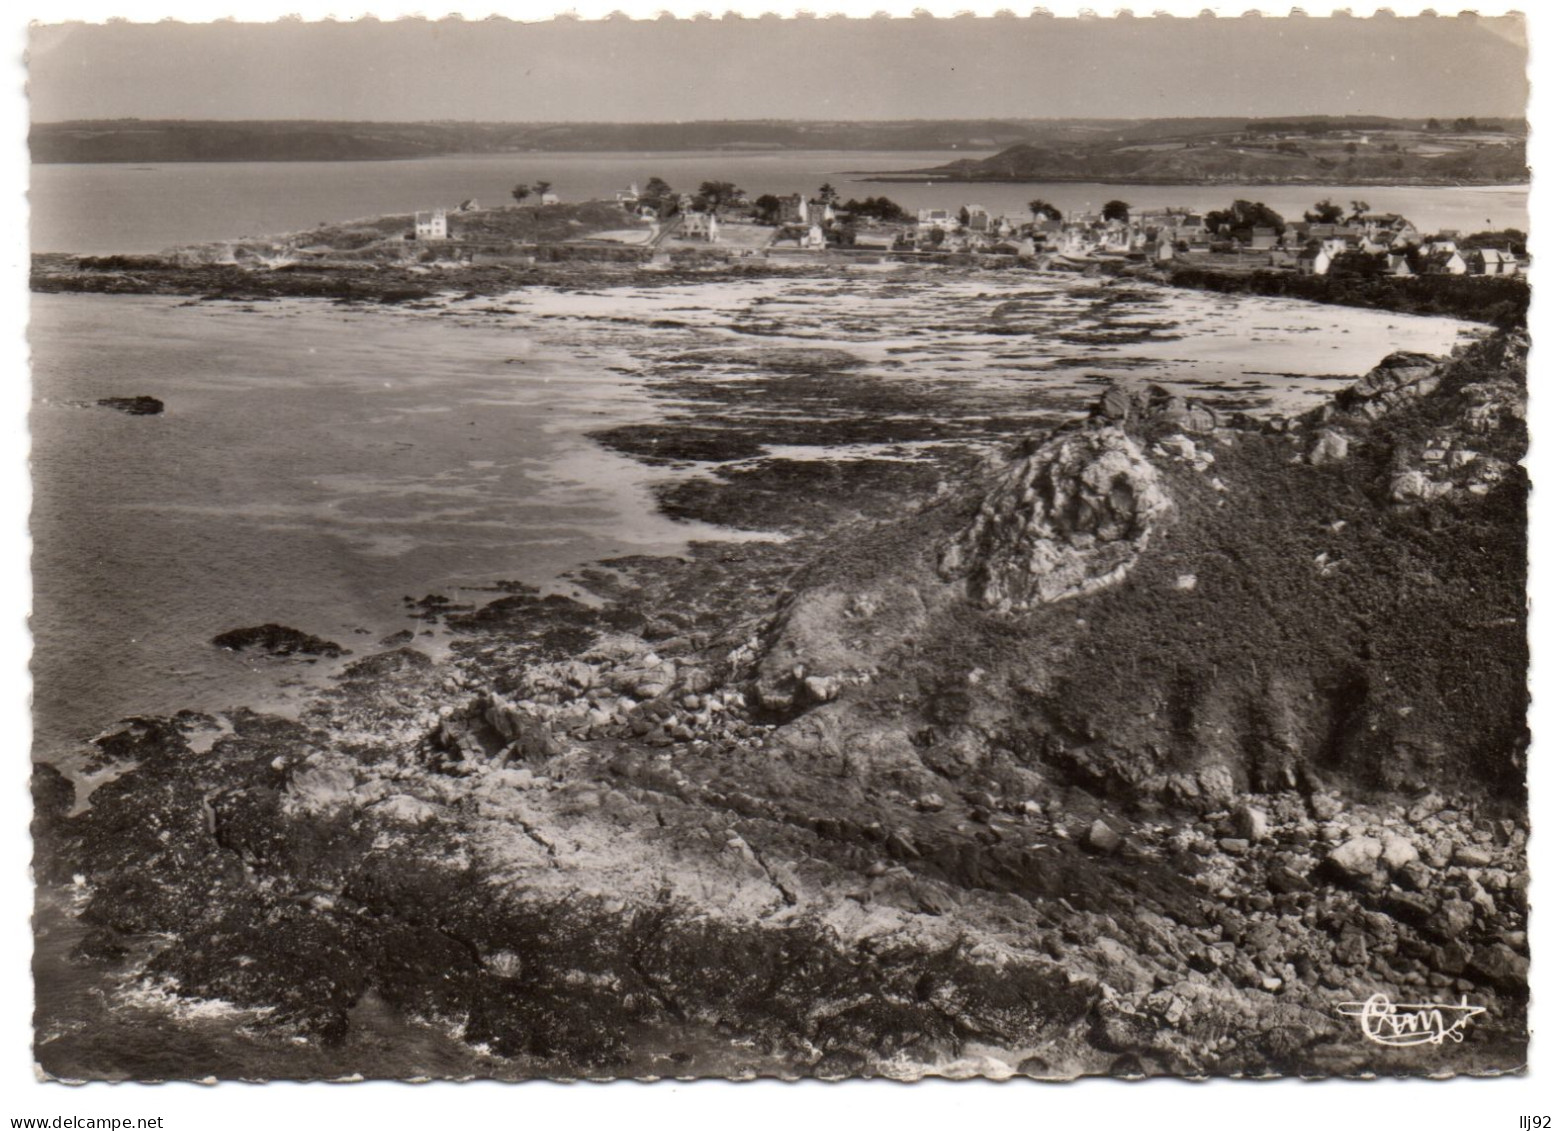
pixel 1316 893
pixel 1453 455
pixel 622 687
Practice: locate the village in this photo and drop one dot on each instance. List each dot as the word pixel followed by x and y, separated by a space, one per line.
pixel 721 221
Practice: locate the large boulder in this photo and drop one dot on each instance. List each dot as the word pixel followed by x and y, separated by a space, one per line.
pixel 1356 857
pixel 829 638
pixel 1397 379
pixel 1068 519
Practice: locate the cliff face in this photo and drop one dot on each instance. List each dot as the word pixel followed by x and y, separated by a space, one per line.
pixel 1137 754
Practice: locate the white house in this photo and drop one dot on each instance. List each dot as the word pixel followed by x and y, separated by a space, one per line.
pixel 929 218
pixel 1315 262
pixel 699 226
pixel 431 225
pixel 550 198
pixel 817 213
pixel 876 241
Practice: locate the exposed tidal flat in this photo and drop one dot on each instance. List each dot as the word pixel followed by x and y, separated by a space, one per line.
pixel 317 463
pixel 820 804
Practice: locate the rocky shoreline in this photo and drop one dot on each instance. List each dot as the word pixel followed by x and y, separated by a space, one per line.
pixel 1138 750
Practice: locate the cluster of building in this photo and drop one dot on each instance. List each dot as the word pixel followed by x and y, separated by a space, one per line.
pixel 1363 243
pixel 1383 243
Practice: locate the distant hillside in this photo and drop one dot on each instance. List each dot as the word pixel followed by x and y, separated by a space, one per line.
pixel 1256 156
pixel 134 140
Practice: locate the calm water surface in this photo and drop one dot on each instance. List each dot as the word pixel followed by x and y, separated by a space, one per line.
pixel 312 468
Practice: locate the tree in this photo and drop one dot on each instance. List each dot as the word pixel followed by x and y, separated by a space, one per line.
pixel 766 209
pixel 1243 216
pixel 1356 263
pixel 827 193
pixel 1325 211
pixel 1433 124
pixel 520 192
pixel 719 194
pixel 936 237
pixel 1115 210
pixel 1508 239
pixel 659 195
pixel 1358 208
pixel 874 208
pixel 543 187
pixel 964 216
pixel 1039 208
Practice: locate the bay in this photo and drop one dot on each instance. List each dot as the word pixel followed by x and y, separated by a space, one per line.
pixel 107 208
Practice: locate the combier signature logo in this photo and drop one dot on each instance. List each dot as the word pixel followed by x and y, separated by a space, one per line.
pixel 1386 1022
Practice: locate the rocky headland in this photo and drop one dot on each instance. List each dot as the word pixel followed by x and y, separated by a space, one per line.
pixel 1139 750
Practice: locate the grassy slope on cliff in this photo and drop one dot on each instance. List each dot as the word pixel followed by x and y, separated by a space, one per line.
pixel 1328 636
pixel 1193 163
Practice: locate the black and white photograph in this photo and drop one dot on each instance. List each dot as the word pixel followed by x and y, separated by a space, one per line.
pixel 777 548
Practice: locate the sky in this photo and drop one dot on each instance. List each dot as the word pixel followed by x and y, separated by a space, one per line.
pixel 678 70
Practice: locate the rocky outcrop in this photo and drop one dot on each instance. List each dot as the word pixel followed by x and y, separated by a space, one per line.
pixel 278 640
pixel 1397 380
pixel 1068 519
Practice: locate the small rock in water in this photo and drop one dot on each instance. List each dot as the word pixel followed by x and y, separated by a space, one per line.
pixel 134 406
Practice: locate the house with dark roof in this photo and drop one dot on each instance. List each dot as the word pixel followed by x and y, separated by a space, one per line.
pixel 1491 261
pixel 1444 263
